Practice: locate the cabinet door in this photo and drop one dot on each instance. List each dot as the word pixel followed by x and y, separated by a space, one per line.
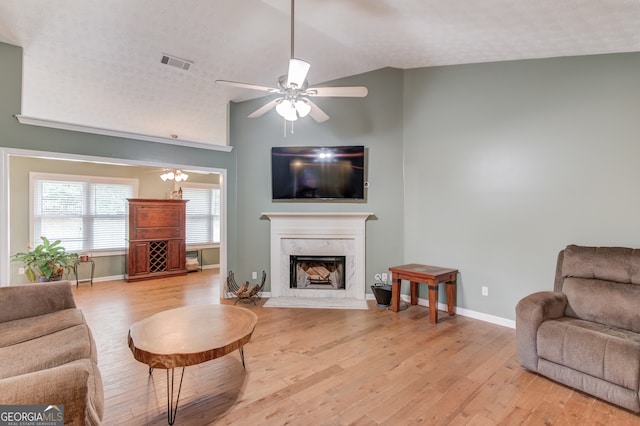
pixel 156 221
pixel 138 258
pixel 175 255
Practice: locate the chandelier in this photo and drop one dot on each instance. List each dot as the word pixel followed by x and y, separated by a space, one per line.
pixel 178 176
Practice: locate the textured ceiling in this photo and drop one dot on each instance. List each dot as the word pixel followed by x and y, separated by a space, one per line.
pixel 97 63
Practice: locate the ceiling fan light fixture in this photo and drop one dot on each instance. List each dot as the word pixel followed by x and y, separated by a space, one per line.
pixel 303 108
pixel 294 90
pixel 298 70
pixel 287 110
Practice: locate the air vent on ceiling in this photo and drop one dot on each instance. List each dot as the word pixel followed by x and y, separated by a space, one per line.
pixel 183 64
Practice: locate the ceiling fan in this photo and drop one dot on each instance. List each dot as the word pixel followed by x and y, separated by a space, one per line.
pixel 295 92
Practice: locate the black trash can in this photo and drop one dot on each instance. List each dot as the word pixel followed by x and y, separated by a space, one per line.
pixel 382 292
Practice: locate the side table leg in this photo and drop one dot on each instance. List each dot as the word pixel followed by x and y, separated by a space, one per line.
pixel 75 272
pixel 396 284
pixel 172 410
pixel 451 297
pixel 242 356
pixel 433 303
pixel 414 292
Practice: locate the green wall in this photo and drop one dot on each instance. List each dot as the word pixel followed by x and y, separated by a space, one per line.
pixel 507 163
pixel 374 121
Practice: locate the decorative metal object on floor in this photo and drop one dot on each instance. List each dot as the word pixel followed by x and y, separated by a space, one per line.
pixel 245 292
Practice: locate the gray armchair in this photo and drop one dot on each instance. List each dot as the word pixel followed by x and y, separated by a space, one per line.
pixel 586 333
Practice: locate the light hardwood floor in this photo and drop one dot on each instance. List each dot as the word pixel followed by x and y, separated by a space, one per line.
pixel 329 367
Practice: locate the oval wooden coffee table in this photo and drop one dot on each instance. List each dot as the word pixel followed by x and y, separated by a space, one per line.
pixel 187 336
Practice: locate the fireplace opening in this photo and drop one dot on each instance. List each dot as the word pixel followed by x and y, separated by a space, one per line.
pixel 317 272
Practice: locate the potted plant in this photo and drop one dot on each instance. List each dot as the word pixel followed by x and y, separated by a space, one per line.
pixel 47 262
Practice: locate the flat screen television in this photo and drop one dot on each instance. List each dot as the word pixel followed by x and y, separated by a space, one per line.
pixel 320 173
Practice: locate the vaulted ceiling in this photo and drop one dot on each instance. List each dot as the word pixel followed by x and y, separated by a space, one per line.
pixel 98 63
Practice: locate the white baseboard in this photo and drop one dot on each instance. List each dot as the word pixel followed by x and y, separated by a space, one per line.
pixel 461 311
pixel 101 279
pixel 421 302
pixel 121 277
pixel 210 266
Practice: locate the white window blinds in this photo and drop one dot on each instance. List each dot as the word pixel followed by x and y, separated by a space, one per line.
pixel 203 213
pixel 84 212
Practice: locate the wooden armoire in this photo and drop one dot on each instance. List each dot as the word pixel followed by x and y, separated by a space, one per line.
pixel 156 242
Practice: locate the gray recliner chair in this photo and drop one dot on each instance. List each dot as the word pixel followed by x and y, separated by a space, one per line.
pixel 586 333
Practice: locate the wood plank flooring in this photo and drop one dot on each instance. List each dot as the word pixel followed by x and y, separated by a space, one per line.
pixel 329 367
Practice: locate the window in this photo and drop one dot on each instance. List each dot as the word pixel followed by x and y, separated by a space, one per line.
pixel 203 212
pixel 84 212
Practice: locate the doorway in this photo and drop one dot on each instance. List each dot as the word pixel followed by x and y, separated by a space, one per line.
pixel 12 234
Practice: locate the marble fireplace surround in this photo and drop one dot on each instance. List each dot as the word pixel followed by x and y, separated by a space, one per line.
pixel 303 233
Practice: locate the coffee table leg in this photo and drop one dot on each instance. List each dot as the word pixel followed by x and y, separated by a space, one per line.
pixel 242 356
pixel 171 409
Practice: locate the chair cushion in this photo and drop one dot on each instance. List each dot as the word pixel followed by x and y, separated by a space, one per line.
pixel 601 351
pixel 21 330
pixel 51 350
pixel 602 284
pixel 605 302
pixel 617 264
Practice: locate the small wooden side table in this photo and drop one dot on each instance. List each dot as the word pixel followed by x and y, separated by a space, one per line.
pixel 75 270
pixel 416 273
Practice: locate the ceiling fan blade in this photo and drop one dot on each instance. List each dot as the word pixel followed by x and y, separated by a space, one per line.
pixel 347 92
pixel 316 113
pixel 247 86
pixel 263 109
pixel 298 70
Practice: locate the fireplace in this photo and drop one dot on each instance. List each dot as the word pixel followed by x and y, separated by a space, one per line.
pixel 317 272
pixel 318 234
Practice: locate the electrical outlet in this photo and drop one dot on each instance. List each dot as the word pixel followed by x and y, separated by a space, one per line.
pixel 20 271
pixel 254 275
pixel 485 291
pixel 385 277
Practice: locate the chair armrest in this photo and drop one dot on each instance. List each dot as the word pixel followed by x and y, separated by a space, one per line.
pixel 76 385
pixel 531 311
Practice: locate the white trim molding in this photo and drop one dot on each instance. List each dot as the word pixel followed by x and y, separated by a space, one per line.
pixel 53 124
pixel 504 322
pixel 5 272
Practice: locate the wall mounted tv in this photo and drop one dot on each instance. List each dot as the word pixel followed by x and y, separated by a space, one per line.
pixel 318 173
